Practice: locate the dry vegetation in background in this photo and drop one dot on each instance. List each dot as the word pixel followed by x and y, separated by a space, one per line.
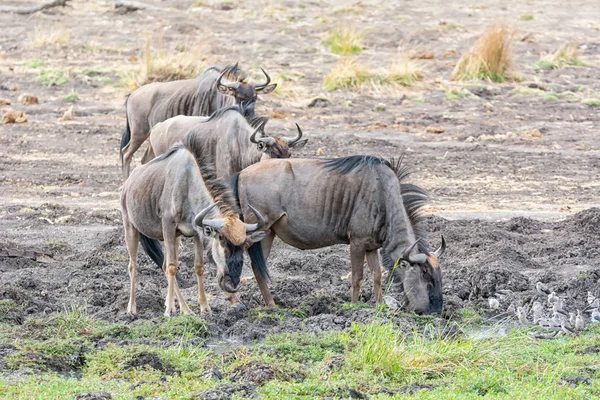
pixel 567 54
pixel 490 57
pixel 344 40
pixel 46 35
pixel 161 63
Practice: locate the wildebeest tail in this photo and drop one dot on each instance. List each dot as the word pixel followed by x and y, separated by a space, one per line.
pixel 126 137
pixel 153 249
pixel 259 264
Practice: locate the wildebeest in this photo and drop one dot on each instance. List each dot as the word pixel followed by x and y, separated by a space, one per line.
pixel 203 95
pixel 356 200
pixel 232 141
pixel 173 196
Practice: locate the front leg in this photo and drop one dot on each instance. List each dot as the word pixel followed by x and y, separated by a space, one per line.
pixel 357 258
pixel 199 269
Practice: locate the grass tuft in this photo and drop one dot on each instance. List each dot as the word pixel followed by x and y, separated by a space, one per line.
pixel 348 73
pixel 72 97
pixel 160 63
pixel 344 40
pixel 57 34
pixel 567 54
pixel 404 72
pixel 489 58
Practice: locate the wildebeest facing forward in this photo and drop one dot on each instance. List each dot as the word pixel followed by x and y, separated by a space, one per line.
pixel 173 196
pixel 227 136
pixel 357 200
pixel 203 95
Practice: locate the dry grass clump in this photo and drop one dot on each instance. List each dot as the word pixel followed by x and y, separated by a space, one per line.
pixel 567 54
pixel 404 72
pixel 344 40
pixel 56 34
pixel 350 73
pixel 159 63
pixel 490 57
pixel 347 73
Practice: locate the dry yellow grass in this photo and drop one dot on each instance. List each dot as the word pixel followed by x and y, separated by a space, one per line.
pixel 565 54
pixel 404 72
pixel 162 63
pixel 349 73
pixel 490 57
pixel 45 35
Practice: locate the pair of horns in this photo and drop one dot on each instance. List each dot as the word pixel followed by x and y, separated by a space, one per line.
pixel 270 140
pixel 422 258
pixel 235 85
pixel 217 223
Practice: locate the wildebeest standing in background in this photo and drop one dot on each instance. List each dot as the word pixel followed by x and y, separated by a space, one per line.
pixel 203 95
pixel 172 196
pixel 232 141
pixel 357 200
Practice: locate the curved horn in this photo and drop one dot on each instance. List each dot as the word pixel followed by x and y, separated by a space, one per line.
pixel 263 138
pixel 259 86
pixel 260 221
pixel 253 136
pixel 233 85
pixel 202 214
pixel 438 253
pixel 416 259
pixel 291 141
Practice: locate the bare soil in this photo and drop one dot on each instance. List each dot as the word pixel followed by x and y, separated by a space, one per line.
pixel 514 209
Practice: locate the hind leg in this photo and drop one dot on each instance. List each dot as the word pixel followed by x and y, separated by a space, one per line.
pixel 139 133
pixel 132 241
pixel 375 268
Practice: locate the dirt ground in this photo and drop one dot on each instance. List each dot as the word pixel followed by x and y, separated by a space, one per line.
pixel 513 208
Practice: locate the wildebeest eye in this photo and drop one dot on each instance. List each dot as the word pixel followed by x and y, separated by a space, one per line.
pixel 261 146
pixel 208 231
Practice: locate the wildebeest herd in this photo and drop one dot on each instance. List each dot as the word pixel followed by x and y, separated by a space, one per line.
pixel 212 173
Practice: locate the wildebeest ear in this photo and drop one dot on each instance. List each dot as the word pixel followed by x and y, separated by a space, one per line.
pixel 268 88
pixel 299 144
pixel 256 237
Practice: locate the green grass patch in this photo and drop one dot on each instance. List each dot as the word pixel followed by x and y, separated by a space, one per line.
pixel 72 97
pixel 526 17
pixel 34 63
pixel 53 77
pixel 344 40
pixel 591 102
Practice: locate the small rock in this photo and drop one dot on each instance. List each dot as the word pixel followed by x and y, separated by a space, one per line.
pixel 470 139
pixel 28 99
pixel 533 133
pixel 213 373
pixel 391 302
pixel 320 152
pixel 435 129
pixel 319 102
pixel 14 116
pixel 93 396
pixel 379 107
pixel 4 102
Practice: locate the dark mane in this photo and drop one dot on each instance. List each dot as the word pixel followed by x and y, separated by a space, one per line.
pixel 222 111
pixel 413 196
pixel 219 190
pixel 172 150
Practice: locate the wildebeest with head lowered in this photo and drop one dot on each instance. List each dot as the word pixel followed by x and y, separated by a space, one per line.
pixel 211 90
pixel 173 196
pixel 232 141
pixel 357 200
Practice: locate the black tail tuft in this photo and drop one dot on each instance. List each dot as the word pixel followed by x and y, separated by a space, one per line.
pixel 153 249
pixel 259 264
pixel 125 139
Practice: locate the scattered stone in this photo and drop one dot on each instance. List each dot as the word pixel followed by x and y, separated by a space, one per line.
pixel 320 152
pixel 14 116
pixel 213 373
pixel 4 102
pixel 391 302
pixel 573 381
pixel 93 396
pixel 355 394
pixel 435 129
pixel 470 139
pixel 319 102
pixel 379 107
pixel 28 99
pixel 532 133
pixel 226 392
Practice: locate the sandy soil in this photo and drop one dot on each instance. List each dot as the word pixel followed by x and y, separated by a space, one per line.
pixel 510 206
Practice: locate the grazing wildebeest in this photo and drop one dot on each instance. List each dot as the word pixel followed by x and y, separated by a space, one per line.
pixel 357 200
pixel 203 95
pixel 227 136
pixel 173 196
